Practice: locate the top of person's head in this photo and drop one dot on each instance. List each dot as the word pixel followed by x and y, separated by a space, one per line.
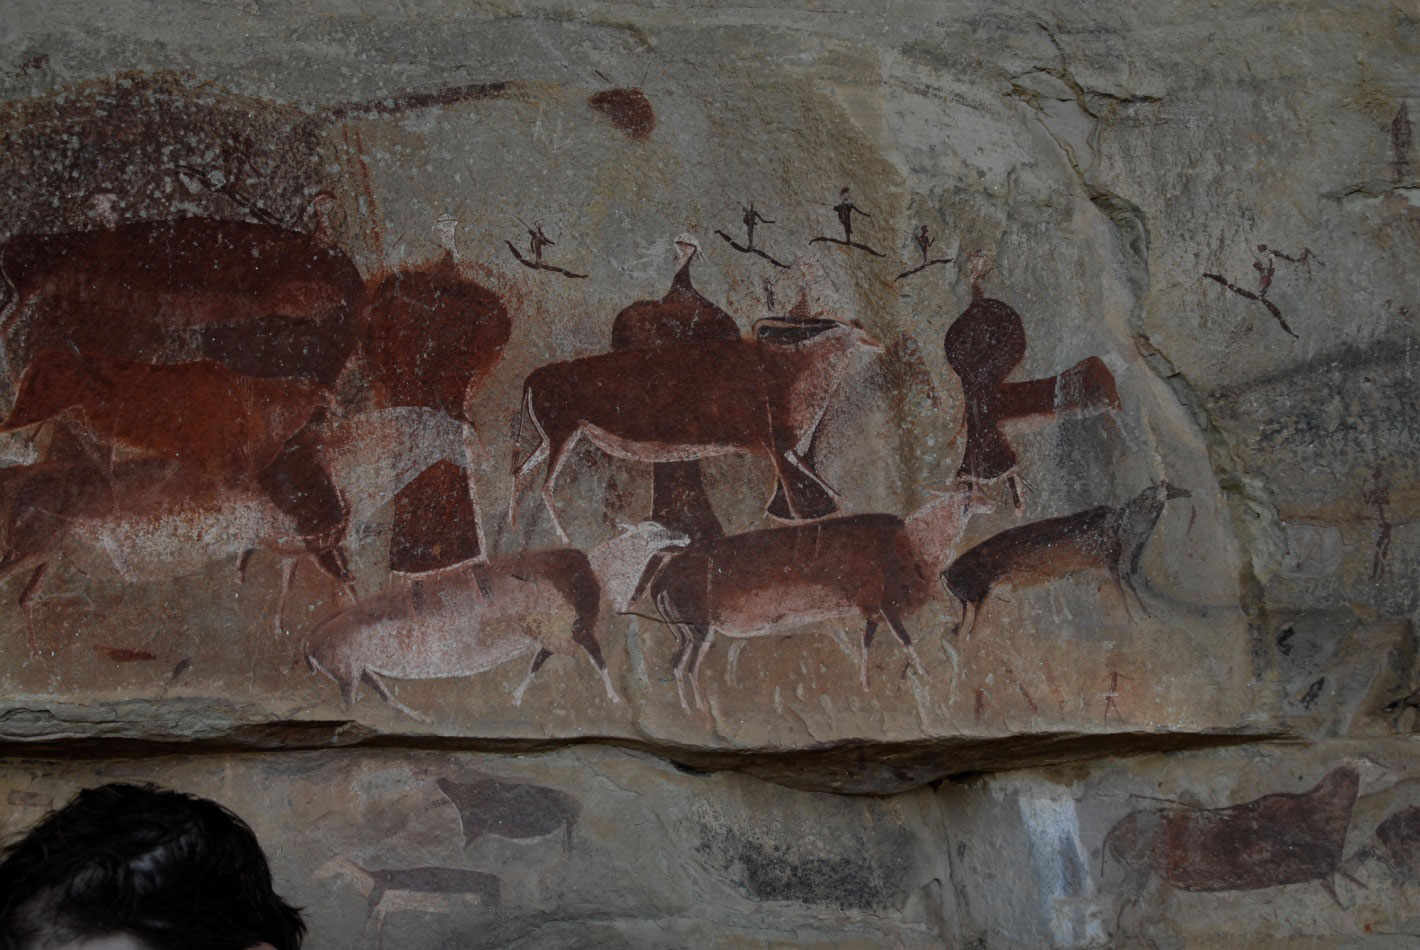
pixel 169 870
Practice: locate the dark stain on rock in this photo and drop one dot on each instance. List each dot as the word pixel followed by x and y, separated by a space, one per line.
pixel 1400 138
pixel 153 139
pixel 768 863
pixel 1354 402
pixel 628 108
pixel 1309 698
pixel 33 64
pixel 408 101
pixel 1284 640
pixel 132 134
pixel 126 655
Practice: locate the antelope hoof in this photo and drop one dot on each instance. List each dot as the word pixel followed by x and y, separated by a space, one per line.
pixel 611 692
pixel 522 688
pixel 914 663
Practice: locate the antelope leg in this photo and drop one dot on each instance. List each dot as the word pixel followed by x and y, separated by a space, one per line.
pixel 539 658
pixel 735 647
pixel 383 689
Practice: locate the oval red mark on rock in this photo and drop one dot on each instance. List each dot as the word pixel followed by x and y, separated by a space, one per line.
pixel 628 108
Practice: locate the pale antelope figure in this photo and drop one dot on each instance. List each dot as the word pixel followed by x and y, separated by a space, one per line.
pixel 466 621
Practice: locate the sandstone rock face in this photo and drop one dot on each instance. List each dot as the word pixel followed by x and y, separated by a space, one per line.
pixel 1275 846
pixel 578 848
pixel 725 408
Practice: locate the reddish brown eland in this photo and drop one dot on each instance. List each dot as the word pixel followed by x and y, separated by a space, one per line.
pixel 760 583
pixel 984 346
pixel 153 519
pixel 676 403
pixel 1282 838
pixel 263 300
pixel 212 419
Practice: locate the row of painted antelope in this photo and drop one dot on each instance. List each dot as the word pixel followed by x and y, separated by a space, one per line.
pixel 213 388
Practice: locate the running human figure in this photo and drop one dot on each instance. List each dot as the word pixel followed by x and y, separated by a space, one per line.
pixel 1266 268
pixel 845 209
pixel 924 242
pixel 751 218
pixel 537 241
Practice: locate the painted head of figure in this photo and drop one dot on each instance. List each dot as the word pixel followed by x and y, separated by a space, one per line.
pixel 446 231
pixel 686 247
pixel 979 266
pixel 135 867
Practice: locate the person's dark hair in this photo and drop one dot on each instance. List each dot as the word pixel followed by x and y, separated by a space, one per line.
pixel 174 870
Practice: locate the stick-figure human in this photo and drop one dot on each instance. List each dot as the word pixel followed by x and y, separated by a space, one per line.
pixel 751 218
pixel 1266 268
pixel 1111 697
pixel 845 209
pixel 924 242
pixel 537 241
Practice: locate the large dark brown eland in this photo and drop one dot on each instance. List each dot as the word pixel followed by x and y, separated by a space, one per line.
pixel 676 403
